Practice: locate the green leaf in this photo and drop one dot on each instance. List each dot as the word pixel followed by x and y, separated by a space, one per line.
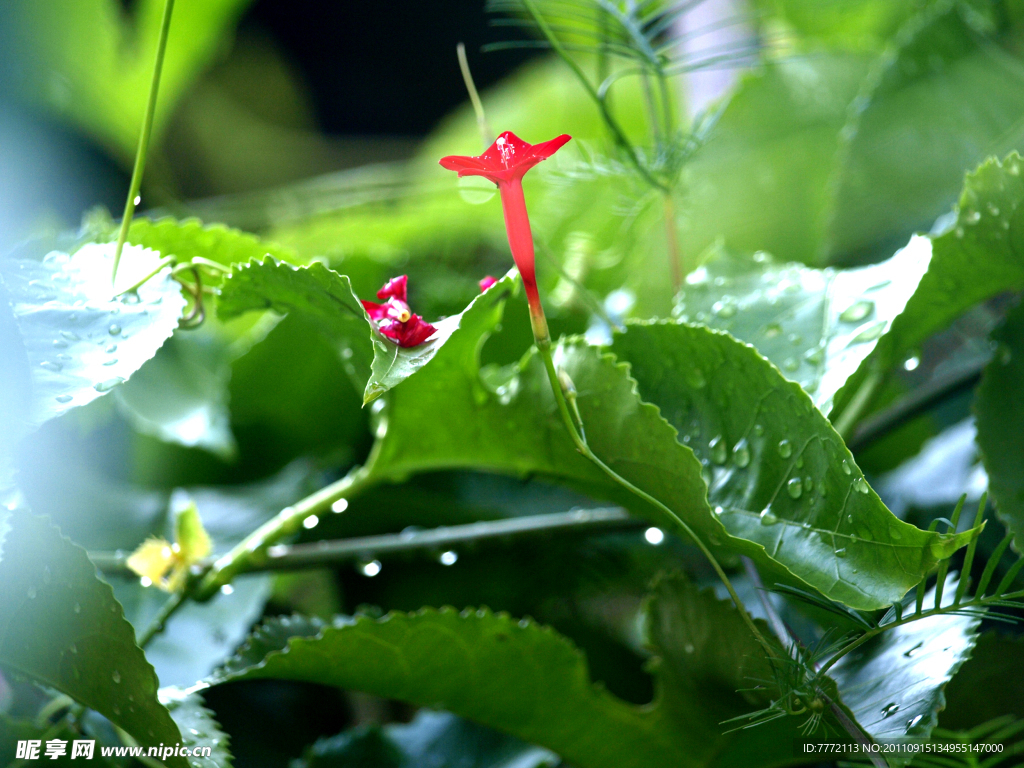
pixel 89 63
pixel 13 730
pixel 846 545
pixel 81 342
pixel 180 396
pixel 437 739
pixel 778 474
pixel 894 684
pixel 197 725
pixel 326 296
pixel 314 291
pixel 187 239
pixel 977 258
pixel 947 78
pixel 63 628
pixel 530 682
pixel 999 415
pixel 816 326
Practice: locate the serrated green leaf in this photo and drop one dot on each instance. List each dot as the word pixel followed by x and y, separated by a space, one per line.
pixel 198 727
pixel 978 257
pixel 80 341
pixel 778 474
pixel 13 730
pixel 180 396
pixel 324 295
pixel 947 78
pixel 187 239
pixel 894 684
pixel 63 628
pixel 437 739
pixel 529 681
pixel 816 326
pixel 999 415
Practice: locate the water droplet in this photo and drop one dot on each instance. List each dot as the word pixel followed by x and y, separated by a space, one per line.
pixel 60 344
pixel 116 676
pixel 310 522
pixel 890 709
pixel 894 532
pixel 911 363
pixel 808 485
pixel 73 648
pixel 758 430
pixel 785 449
pixel 794 487
pixel 70 336
pixel 972 217
pixel 959 233
pixel 741 454
pixel 339 506
pixel 111 361
pixel 800 462
pixel 78 608
pixel 914 721
pixel 846 467
pixel 790 364
pixel 768 517
pixel 857 311
pixel 371 568
pixel 63 398
pixel 772 330
pixel 654 536
pixel 861 485
pixel 449 558
pixel 111 349
pixel 31 593
pixel 910 652
pixel 718 450
pixel 870 333
pixel 46 364
pixel 841 552
pixel 109 384
pixel 114 329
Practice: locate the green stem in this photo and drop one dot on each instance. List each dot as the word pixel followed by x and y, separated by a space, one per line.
pixel 173 603
pixel 544 347
pixel 147 129
pixel 252 550
pixel 846 420
pixel 478 106
pixel 617 133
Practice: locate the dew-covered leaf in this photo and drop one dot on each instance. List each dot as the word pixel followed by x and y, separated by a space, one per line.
pixel 817 326
pixel 894 684
pixel 778 474
pixel 80 340
pixel 437 739
pixel 999 414
pixel 198 727
pixel 64 629
pixel 977 258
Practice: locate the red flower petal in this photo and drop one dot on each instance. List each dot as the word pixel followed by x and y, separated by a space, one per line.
pixel 375 311
pixel 508 158
pixel 487 282
pixel 394 288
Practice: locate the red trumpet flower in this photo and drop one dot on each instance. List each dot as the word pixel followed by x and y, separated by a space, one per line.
pixel 394 318
pixel 505 163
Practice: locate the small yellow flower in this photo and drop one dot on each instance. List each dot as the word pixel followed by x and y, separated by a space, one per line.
pixel 166 565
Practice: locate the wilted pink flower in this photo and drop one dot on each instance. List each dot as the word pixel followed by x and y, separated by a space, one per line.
pixel 394 318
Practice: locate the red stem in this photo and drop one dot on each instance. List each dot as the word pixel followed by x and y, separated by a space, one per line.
pixel 520 240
